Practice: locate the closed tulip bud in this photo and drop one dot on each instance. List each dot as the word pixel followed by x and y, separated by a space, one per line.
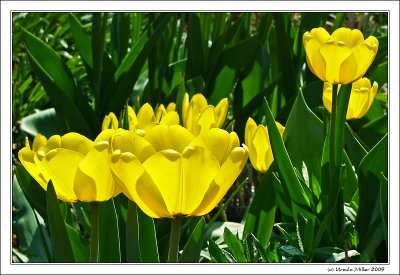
pixel 257 141
pixel 198 116
pixel 171 173
pixel 78 167
pixel 340 58
pixel 361 97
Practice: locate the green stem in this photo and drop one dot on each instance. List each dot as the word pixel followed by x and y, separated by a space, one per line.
pixel 174 240
pixel 332 159
pixel 94 238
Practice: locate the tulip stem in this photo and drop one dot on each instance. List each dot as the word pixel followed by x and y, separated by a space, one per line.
pixel 94 237
pixel 332 160
pixel 174 239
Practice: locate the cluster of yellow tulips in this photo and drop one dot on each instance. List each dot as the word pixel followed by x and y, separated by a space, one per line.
pixel 172 170
pixel 342 58
pixel 167 169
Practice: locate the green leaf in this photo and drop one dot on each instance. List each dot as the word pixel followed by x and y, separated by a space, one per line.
pixel 109 249
pixel 306 234
pixel 83 40
pixel 261 215
pixel 241 54
pixel 234 245
pixel 369 218
pixel 80 246
pixel 132 234
pixel 192 249
pixel 196 52
pixel 31 233
pixel 147 238
pixel 60 241
pixel 131 66
pixel 217 253
pixel 304 135
pixel 374 131
pixel 120 29
pixel 71 108
pixel 296 191
pixel 34 193
pixel 43 122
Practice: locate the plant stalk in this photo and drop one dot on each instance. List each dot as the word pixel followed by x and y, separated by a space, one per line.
pixel 94 237
pixel 332 159
pixel 174 239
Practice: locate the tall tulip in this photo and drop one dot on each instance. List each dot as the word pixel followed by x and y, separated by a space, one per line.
pixel 361 97
pixel 257 140
pixel 198 116
pixel 169 173
pixel 342 57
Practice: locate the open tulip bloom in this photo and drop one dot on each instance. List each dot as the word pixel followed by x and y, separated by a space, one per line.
pixel 78 167
pixel 170 172
pixel 361 97
pixel 342 57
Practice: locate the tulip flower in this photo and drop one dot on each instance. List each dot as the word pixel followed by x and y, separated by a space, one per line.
pixel 361 97
pixel 171 173
pixel 78 167
pixel 340 58
pixel 147 118
pixel 198 116
pixel 257 140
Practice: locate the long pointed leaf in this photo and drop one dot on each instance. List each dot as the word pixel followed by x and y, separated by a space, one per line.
pixel 61 244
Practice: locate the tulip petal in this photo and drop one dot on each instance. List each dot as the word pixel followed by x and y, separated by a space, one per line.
pixel 165 172
pixel 160 113
pixel 38 142
pixel 26 157
pixel 170 118
pixel 53 142
pixel 199 169
pixel 171 107
pixel 348 70
pixel 221 110
pixel 127 141
pixel 205 121
pixel 93 179
pixel 260 150
pixel 225 178
pixel 351 38
pixel 174 137
pixel 365 54
pixel 217 141
pixel 145 116
pixel 60 166
pixel 110 120
pixel 76 142
pixel 131 178
pixel 327 96
pixel 249 131
pixel 132 118
pixel 334 55
pixel 185 108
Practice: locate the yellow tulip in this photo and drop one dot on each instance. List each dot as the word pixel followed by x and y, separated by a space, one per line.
pixel 342 57
pixel 361 97
pixel 147 118
pixel 257 140
pixel 198 116
pixel 78 167
pixel 110 121
pixel 170 172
